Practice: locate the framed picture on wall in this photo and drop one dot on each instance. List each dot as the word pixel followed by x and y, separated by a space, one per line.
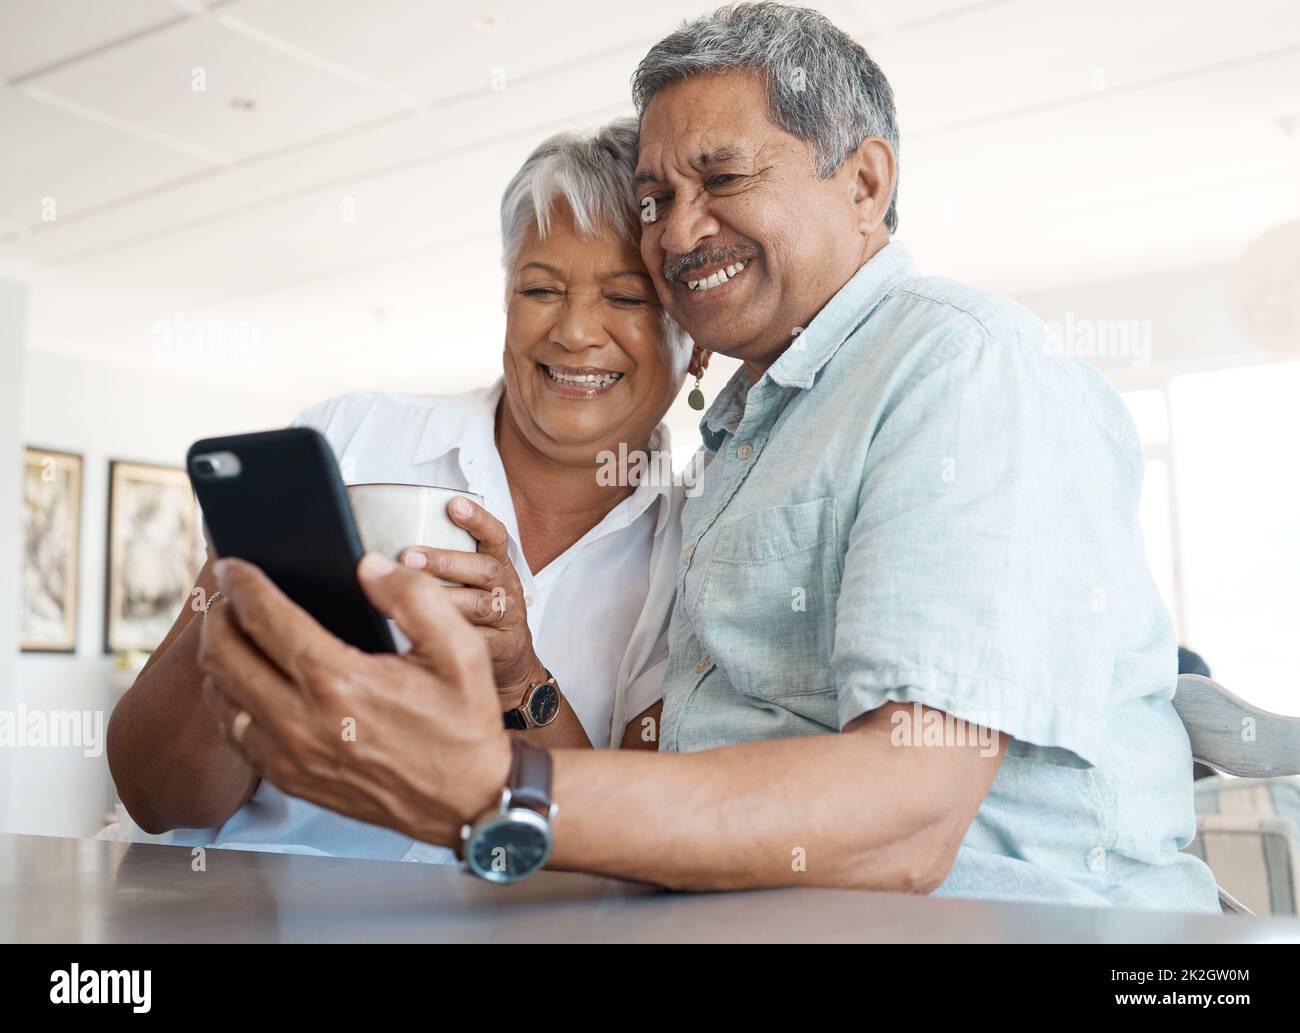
pixel 153 555
pixel 51 551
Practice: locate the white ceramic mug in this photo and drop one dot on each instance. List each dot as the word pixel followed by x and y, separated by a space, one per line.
pixel 391 517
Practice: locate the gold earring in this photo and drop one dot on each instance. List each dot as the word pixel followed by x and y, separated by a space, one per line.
pixel 696 398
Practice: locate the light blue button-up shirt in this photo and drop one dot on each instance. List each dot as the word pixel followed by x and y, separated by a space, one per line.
pixel 922 502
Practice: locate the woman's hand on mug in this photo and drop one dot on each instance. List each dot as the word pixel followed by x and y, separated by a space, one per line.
pixel 488 594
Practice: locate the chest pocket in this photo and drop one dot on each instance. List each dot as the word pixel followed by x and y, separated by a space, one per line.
pixel 766 610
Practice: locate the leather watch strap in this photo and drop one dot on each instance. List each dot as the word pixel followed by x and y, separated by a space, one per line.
pixel 514 720
pixel 530 776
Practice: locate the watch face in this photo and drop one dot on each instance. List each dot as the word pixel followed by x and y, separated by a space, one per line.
pixel 544 704
pixel 510 848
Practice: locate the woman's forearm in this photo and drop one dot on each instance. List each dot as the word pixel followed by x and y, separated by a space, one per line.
pixel 172 766
pixel 565 732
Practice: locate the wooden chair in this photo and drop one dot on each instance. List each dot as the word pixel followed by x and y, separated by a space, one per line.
pixel 1233 736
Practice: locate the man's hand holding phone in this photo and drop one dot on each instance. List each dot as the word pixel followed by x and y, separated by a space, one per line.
pixel 411 742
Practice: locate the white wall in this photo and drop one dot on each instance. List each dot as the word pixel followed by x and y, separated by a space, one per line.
pixel 101 412
pixel 13 315
pixel 1186 313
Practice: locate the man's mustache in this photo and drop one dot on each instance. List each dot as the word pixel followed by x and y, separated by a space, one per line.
pixel 700 258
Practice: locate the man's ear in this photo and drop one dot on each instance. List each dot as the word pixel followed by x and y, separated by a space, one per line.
pixel 874 172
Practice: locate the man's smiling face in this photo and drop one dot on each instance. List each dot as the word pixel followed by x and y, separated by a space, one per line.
pixel 745 243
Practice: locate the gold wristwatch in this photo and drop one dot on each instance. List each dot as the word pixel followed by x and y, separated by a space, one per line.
pixel 540 707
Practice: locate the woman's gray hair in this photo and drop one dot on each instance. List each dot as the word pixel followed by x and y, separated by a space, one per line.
pixel 821 85
pixel 592 172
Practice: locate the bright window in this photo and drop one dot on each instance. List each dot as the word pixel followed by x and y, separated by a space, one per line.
pixel 1235 436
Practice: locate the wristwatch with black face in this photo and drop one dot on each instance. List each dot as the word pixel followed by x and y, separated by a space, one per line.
pixel 513 841
pixel 540 707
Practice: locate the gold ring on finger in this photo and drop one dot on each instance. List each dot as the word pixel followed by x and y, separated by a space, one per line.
pixel 240 725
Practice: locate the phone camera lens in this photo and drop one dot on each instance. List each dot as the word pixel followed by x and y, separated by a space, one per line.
pixel 205 466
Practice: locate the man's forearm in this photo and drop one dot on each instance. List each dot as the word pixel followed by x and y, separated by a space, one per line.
pixel 847 810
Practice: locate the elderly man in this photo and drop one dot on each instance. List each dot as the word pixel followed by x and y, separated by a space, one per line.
pixel 915 644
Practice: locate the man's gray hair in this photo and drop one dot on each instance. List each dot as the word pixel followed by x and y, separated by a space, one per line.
pixel 822 86
pixel 592 172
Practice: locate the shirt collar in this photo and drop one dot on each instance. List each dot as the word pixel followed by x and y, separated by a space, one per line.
pixel 467 423
pixel 724 415
pixel 850 307
pixel 799 364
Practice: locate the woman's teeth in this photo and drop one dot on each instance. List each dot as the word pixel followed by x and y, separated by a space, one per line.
pixel 721 276
pixel 582 379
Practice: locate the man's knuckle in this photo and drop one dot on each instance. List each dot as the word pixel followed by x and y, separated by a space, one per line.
pixel 242 580
pixel 471 661
pixel 426 593
pixel 323 683
pixel 253 619
pixel 423 595
pixel 295 740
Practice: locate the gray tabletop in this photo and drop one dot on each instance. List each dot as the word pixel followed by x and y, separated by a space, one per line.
pixel 74 890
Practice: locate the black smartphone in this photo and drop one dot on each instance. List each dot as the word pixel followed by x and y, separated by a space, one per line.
pixel 276 500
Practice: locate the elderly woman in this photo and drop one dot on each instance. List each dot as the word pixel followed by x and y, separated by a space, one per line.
pixel 585 561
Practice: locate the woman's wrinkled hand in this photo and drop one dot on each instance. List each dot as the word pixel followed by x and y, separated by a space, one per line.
pixel 489 595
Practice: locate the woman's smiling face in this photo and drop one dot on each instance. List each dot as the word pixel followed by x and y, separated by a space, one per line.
pixel 587 361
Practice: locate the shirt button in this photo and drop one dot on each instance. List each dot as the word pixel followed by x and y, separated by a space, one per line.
pixel 745 451
pixel 687 554
pixel 702 666
pixel 1097 859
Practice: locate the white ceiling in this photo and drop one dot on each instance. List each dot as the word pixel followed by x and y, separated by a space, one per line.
pixel 1045 142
